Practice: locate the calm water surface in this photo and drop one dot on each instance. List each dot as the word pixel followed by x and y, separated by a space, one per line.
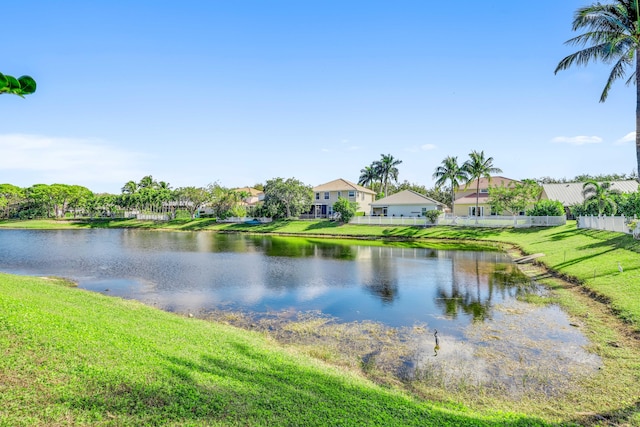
pixel 486 333
pixel 197 272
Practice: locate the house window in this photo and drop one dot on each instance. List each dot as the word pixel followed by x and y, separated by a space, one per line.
pixel 317 196
pixel 339 194
pixel 326 195
pixel 484 191
pixel 424 211
pixel 472 211
pixel 352 194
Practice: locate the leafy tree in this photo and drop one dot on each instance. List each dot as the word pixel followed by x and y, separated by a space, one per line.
pixel 450 171
pixel 478 167
pixel 514 198
pixel 10 199
pixel 226 202
pixel 611 35
pixel 368 177
pixel 192 199
pixel 79 199
pixel 286 198
pixel 546 208
pixel 387 169
pixel 600 195
pixel 345 208
pixel 24 85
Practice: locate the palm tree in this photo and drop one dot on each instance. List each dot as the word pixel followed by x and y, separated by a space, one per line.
pixel 478 167
pixel 612 35
pixel 450 171
pixel 368 176
pixel 600 194
pixel 386 168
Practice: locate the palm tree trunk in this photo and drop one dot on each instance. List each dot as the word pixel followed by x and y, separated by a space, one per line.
pixel 638 114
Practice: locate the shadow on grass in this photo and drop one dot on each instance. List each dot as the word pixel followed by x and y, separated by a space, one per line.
pixel 246 390
pixel 619 417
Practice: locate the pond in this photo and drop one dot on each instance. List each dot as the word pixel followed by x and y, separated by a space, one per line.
pixel 471 298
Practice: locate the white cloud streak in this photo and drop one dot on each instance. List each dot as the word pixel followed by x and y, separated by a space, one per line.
pixel 630 137
pixel 577 140
pixel 68 160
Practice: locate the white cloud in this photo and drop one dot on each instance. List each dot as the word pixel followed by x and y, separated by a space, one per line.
pixel 630 137
pixel 68 160
pixel 577 140
pixel 424 147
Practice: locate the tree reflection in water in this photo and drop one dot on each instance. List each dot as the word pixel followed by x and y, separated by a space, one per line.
pixel 473 294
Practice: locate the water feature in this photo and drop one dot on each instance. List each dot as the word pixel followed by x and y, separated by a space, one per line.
pixel 468 296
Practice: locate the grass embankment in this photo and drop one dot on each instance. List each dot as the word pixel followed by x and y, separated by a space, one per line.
pixel 590 257
pixel 143 366
pixel 71 357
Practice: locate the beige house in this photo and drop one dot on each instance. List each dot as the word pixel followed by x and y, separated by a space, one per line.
pixel 406 203
pixel 325 195
pixel 254 196
pixel 465 196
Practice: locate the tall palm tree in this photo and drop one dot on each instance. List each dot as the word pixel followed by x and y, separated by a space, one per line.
pixel 368 176
pixel 612 36
pixel 387 169
pixel 478 167
pixel 450 171
pixel 600 194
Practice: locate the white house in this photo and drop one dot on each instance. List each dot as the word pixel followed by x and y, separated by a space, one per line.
pixel 406 203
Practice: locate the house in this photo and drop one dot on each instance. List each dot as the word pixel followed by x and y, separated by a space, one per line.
pixel 465 196
pixel 252 196
pixel 325 195
pixel 570 193
pixel 405 203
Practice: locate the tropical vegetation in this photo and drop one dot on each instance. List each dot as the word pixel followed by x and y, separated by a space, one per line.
pixel 380 174
pixel 450 171
pixel 478 167
pixel 21 86
pixel 612 36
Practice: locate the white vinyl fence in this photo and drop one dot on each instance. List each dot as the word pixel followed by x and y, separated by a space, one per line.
pixel 482 221
pixel 608 223
pixel 239 220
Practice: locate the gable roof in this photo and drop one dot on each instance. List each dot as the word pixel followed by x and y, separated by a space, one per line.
pixel 570 193
pixel 250 190
pixel 342 185
pixel 406 197
pixel 496 181
pixel 470 199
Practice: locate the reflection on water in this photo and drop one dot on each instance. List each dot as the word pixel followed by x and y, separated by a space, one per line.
pixel 461 294
pixel 199 272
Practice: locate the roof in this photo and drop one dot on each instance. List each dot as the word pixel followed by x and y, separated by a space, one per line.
pixel 470 199
pixel 342 185
pixel 570 193
pixel 496 181
pixel 251 191
pixel 406 197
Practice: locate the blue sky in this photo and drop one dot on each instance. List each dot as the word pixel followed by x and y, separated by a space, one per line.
pixel 242 91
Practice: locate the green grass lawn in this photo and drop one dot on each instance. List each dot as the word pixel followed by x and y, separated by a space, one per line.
pixel 71 357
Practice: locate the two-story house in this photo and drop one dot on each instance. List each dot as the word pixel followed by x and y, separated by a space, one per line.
pixel 325 195
pixel 465 196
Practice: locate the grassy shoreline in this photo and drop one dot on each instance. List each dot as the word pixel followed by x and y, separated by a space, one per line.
pixel 31 318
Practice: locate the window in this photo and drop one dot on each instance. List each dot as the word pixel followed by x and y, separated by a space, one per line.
pixel 352 194
pixel 424 210
pixel 317 196
pixel 339 194
pixel 484 191
pixel 326 195
pixel 472 211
